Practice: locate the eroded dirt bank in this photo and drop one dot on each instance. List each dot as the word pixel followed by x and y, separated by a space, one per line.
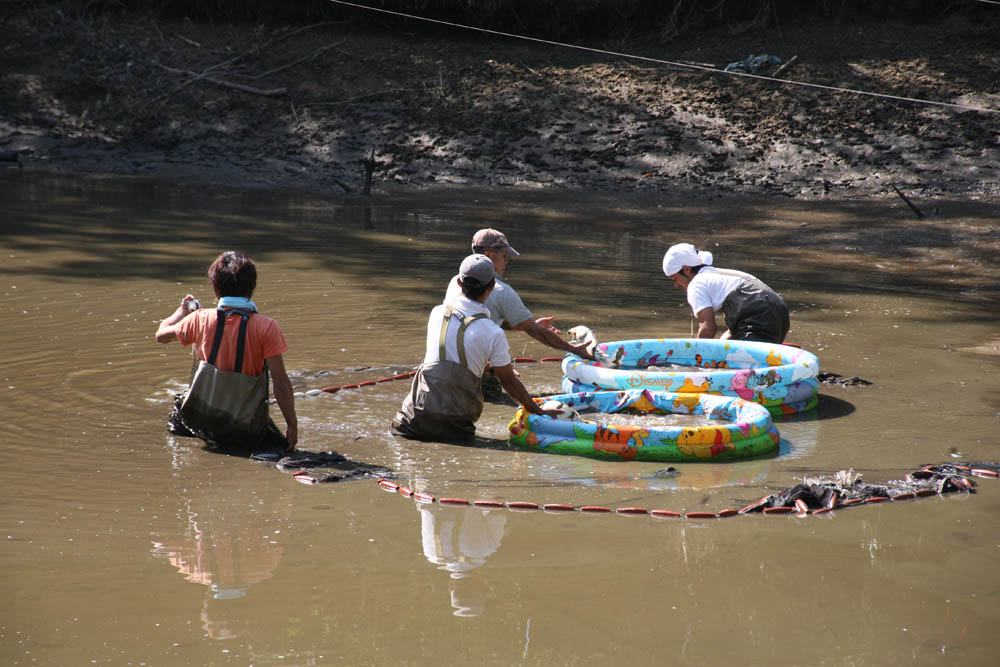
pixel 303 106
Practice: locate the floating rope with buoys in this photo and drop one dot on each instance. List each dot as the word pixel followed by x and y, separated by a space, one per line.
pixel 368 383
pixel 803 499
pixel 410 374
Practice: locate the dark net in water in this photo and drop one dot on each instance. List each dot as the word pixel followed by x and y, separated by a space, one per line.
pixel 846 487
pixel 340 467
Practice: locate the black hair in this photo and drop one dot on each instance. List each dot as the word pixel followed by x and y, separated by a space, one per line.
pixel 473 289
pixel 233 273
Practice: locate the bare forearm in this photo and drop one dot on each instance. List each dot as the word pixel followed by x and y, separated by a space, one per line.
pixel 166 333
pixel 706 323
pixel 547 336
pixel 285 398
pixel 167 330
pixel 521 395
pixel 515 389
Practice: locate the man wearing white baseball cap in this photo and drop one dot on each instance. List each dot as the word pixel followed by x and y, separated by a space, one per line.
pixel 752 310
pixel 504 304
pixel 445 399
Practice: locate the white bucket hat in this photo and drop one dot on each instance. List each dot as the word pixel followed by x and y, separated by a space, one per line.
pixel 684 254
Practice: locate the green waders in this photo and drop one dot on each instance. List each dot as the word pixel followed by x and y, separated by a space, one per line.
pixel 445 399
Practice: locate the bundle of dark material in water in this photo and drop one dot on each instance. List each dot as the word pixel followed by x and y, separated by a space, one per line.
pixel 833 378
pixel 846 487
pixel 343 468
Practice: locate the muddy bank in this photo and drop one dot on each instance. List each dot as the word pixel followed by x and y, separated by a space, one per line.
pixel 305 106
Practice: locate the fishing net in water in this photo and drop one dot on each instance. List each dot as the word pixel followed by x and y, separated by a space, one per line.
pixel 336 467
pixel 273 450
pixel 833 378
pixel 846 487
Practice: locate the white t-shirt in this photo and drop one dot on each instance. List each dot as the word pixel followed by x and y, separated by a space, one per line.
pixel 484 339
pixel 709 287
pixel 503 303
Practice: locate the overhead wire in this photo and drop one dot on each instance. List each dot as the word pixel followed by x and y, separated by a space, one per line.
pixel 683 65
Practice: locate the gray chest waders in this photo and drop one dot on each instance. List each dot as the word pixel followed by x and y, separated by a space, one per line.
pixel 227 406
pixel 445 399
pixel 754 311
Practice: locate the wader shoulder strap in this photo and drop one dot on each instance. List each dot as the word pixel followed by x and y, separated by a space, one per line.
pixel 446 318
pixel 241 342
pixel 460 342
pixel 220 324
pixel 241 339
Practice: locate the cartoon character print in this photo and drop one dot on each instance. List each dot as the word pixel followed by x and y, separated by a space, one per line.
pixel 748 429
pixel 619 440
pixel 701 363
pixel 705 442
pixel 770 378
pixel 687 394
pixel 689 401
pixel 739 384
pixel 651 359
pixel 645 403
pixel 519 427
pixel 689 387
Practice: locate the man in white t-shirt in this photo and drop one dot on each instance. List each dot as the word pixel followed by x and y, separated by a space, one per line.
pixel 445 399
pixel 504 304
pixel 753 311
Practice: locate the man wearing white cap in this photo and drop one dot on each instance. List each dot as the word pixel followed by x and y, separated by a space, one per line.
pixel 504 304
pixel 753 311
pixel 445 399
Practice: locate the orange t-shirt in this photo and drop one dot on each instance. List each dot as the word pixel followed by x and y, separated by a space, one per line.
pixel 264 339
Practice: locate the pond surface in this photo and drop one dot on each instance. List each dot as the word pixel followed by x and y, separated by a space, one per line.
pixel 127 546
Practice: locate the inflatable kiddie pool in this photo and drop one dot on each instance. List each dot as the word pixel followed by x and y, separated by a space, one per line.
pixel 745 429
pixel 782 378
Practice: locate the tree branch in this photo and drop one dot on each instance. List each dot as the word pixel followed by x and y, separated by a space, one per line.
pixel 269 92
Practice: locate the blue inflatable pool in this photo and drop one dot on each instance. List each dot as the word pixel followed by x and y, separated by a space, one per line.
pixel 782 378
pixel 744 430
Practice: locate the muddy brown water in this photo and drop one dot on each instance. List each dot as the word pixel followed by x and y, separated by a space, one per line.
pixel 125 545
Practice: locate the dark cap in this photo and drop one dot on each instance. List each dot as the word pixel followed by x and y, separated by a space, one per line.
pixel 491 239
pixel 476 271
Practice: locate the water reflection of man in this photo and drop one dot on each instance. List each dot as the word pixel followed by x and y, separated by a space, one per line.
pixel 459 540
pixel 753 311
pixel 445 398
pixel 226 544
